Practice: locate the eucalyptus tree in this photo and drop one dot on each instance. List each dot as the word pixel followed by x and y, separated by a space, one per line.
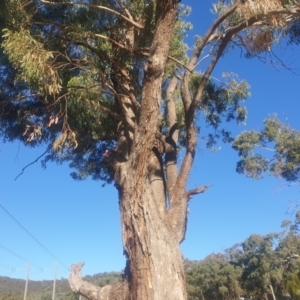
pixel 213 278
pixel 288 253
pixel 109 87
pixel 261 267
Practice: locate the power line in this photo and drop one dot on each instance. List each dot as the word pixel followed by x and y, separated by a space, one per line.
pixel 36 240
pixel 8 267
pixel 20 257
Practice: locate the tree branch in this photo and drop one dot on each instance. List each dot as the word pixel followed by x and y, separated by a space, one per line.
pixel 113 42
pixel 191 105
pixel 123 7
pixel 198 190
pixel 208 37
pixel 171 109
pixel 132 22
pixel 33 162
pixel 137 50
pixel 190 114
pixel 172 139
pixel 118 291
pixel 108 111
pixel 99 53
pixel 209 34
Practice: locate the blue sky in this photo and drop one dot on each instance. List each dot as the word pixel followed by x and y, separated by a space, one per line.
pixel 79 221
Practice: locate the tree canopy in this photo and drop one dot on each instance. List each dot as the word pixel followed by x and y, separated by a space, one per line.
pixel 65 66
pixel 111 87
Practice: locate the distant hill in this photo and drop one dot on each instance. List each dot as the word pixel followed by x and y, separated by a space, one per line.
pixel 13 289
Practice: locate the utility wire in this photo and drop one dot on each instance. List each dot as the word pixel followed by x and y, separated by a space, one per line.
pixel 36 240
pixel 21 257
pixel 8 267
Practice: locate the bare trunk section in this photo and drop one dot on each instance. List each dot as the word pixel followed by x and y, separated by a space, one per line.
pixel 151 246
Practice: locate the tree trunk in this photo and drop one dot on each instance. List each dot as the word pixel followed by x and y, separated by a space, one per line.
pixel 151 232
pixel 154 261
pixel 151 247
pixel 152 194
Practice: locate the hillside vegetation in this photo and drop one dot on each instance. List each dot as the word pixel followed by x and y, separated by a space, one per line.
pixel 261 267
pixel 13 289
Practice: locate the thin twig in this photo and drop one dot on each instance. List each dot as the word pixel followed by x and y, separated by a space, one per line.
pixel 200 61
pixel 36 160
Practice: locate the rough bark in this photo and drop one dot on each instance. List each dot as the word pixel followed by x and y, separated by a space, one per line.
pixel 151 245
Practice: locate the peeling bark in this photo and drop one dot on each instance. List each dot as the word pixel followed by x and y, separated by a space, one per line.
pixel 151 246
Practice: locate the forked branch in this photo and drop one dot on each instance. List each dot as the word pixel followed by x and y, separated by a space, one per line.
pixel 123 7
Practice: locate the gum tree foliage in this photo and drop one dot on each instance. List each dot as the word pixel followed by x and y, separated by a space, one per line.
pixel 281 141
pixel 109 87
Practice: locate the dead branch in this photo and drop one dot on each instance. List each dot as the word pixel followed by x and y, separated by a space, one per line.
pixel 118 291
pixel 198 190
pixel 35 161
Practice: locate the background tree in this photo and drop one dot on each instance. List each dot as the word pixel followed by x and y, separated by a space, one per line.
pixel 261 271
pixel 255 268
pixel 108 87
pixel 213 278
pixel 234 273
pixel 288 251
